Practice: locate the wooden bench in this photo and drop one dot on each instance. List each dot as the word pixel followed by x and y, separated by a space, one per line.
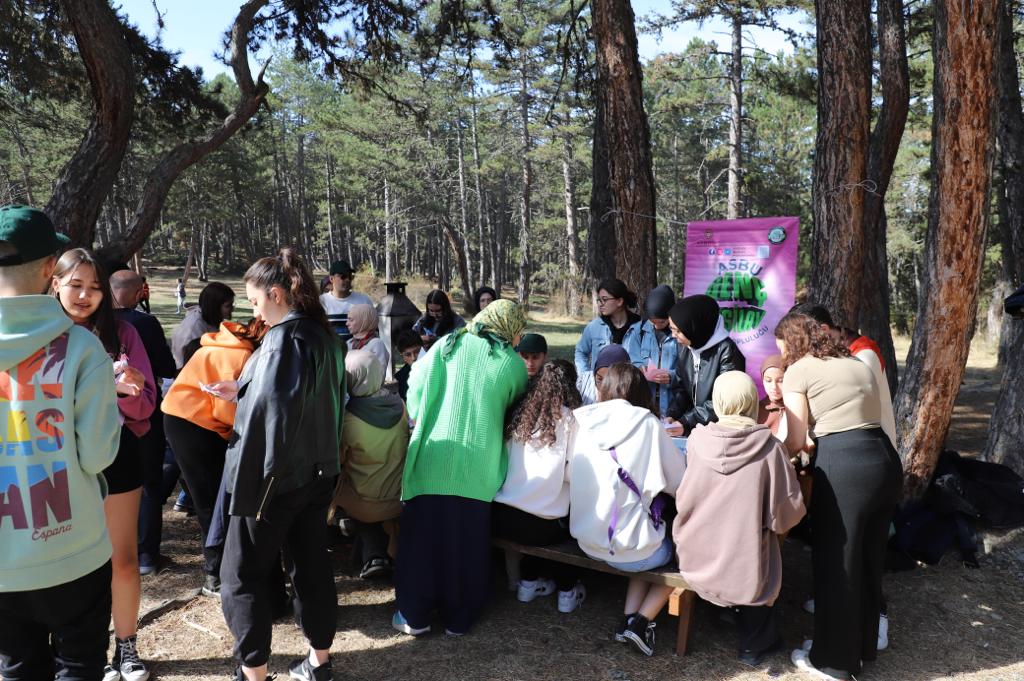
pixel 680 602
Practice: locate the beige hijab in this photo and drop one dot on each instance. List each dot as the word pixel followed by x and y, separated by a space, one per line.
pixel 362 320
pixel 734 397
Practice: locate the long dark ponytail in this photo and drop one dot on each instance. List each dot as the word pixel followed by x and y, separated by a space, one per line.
pixel 290 272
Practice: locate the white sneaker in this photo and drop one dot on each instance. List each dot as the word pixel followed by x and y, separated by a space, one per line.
pixel 527 591
pixel 111 673
pixel 809 605
pixel 883 632
pixel 570 600
pixel 802 660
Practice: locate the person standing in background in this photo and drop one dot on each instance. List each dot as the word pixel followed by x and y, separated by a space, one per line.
pixel 126 288
pixel 337 301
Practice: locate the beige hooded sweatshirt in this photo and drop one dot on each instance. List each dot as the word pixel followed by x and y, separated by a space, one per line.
pixel 739 491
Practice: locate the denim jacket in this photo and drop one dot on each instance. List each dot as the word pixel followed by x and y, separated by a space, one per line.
pixel 596 335
pixel 643 348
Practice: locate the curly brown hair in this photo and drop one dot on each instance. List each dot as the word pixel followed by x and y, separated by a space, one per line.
pixel 535 416
pixel 804 336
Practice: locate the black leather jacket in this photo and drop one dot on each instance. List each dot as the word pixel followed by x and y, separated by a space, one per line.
pixel 288 425
pixel 691 398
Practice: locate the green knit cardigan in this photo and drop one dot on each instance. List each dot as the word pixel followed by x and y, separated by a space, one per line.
pixel 458 402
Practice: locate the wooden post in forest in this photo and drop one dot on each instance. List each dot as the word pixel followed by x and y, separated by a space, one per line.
pixel 961 162
pixel 841 155
pixel 628 139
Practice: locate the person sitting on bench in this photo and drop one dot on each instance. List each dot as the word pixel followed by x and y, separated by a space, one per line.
pixel 739 492
pixel 622 460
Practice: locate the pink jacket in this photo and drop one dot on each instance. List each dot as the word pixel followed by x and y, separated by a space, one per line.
pixel 738 493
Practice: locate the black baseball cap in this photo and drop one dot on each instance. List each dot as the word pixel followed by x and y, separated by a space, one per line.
pixel 31 233
pixel 341 267
pixel 533 342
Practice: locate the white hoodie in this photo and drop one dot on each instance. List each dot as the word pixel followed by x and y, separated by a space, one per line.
pixel 646 452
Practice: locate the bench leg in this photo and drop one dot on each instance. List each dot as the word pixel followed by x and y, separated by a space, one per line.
pixel 681 604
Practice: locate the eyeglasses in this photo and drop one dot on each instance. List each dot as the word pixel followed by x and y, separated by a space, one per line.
pixel 344 276
pixel 602 301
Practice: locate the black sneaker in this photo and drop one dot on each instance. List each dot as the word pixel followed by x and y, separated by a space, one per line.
pixel 640 633
pixel 211 586
pixel 239 676
pixel 620 632
pixel 376 567
pixel 303 670
pixel 754 658
pixel 131 667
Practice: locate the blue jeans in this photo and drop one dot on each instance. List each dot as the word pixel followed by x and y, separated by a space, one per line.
pixel 661 556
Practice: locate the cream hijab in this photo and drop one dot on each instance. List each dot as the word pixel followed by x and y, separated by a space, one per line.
pixel 734 397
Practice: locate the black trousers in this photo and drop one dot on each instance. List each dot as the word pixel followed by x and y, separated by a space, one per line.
pixel 444 561
pixel 152 452
pixel 59 632
pixel 527 529
pixel 297 522
pixel 200 455
pixel 759 629
pixel 372 541
pixel 858 481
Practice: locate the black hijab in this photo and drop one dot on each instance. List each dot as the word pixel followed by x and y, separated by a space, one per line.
pixel 696 317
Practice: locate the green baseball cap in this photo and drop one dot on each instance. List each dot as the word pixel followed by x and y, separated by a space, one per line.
pixel 31 233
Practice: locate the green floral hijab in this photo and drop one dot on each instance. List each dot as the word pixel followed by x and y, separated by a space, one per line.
pixel 499 323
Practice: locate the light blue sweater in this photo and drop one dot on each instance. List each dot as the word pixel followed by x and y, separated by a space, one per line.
pixel 60 430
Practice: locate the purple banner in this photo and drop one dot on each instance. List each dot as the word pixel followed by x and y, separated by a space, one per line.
pixel 749 267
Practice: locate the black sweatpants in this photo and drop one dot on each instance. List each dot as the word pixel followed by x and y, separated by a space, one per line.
pixel 525 528
pixel 858 480
pixel 759 628
pixel 444 561
pixel 297 522
pixel 200 455
pixel 59 632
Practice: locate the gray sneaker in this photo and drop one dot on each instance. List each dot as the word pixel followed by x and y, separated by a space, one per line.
pixel 304 671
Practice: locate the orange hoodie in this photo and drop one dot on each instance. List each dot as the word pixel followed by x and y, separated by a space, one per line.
pixel 220 358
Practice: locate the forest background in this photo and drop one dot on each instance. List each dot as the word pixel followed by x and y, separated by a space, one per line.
pixel 475 143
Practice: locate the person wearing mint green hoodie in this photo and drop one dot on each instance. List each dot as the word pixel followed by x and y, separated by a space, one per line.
pixel 57 391
pixel 456 463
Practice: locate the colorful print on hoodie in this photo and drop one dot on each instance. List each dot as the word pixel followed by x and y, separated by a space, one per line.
pixel 59 429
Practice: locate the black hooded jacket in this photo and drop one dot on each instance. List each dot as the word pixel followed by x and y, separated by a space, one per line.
pixel 287 430
pixel 691 396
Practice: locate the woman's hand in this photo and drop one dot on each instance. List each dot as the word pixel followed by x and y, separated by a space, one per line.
pixel 675 428
pixel 130 382
pixel 225 390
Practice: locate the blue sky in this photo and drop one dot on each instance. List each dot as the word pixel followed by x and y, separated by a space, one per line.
pixel 195 28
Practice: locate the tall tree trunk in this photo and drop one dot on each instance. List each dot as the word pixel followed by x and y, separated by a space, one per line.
pixel 601 234
pixel 390 242
pixel 961 162
pixel 463 202
pixel 86 180
pixel 735 208
pixel 332 249
pixel 620 86
pixel 481 209
pixel 525 204
pixel 571 230
pixel 894 78
pixel 841 155
pixel 1006 429
pixel 174 162
pixel 204 249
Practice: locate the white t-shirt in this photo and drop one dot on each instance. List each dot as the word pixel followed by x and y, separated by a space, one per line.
pixel 337 309
pixel 536 481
